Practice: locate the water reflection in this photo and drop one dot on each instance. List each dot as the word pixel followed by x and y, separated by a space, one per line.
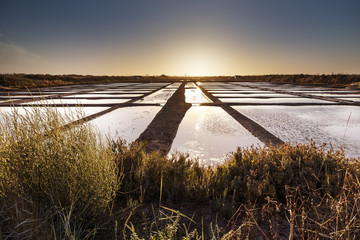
pixel 126 123
pixel 335 125
pixel 209 133
pixel 194 95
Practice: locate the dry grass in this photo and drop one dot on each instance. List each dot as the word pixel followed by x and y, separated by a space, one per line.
pixel 52 180
pixel 57 184
pixel 297 191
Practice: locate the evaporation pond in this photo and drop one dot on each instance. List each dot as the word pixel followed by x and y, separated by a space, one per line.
pixel 336 95
pixel 69 113
pixel 126 123
pixel 240 95
pixel 103 95
pixel 194 95
pixel 273 100
pixel 76 101
pixel 174 85
pixel 209 133
pixel 250 92
pixel 338 125
pixel 160 96
pixel 209 86
pixel 13 97
pixel 351 99
pixel 119 92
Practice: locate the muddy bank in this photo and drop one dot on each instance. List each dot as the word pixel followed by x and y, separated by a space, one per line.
pixel 161 132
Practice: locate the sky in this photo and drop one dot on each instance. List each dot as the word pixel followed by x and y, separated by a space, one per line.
pixel 187 37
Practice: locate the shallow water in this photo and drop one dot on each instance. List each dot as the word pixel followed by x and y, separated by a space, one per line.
pixel 194 95
pixel 70 113
pixel 273 100
pixel 209 133
pixel 338 125
pixel 335 95
pixel 241 95
pixel 76 101
pixel 102 95
pixel 34 93
pixel 17 97
pixel 249 92
pixel 159 97
pixel 214 86
pixel 352 99
pixel 126 123
pixel 115 92
pixel 174 85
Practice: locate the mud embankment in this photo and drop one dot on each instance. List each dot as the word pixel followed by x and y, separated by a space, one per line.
pixel 161 132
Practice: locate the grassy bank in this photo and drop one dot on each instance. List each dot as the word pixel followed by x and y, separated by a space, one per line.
pixel 57 184
pixel 335 80
pixel 21 81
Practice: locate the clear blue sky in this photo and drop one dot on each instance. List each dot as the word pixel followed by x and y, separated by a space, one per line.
pixel 193 37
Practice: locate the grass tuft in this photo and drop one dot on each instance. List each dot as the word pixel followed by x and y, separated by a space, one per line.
pixel 68 176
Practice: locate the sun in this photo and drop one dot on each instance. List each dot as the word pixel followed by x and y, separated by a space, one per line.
pixel 199 67
pixel 198 64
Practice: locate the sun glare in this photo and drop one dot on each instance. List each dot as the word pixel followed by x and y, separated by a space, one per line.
pixel 198 65
pixel 195 96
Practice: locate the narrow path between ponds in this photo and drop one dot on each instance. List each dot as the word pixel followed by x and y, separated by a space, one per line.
pixel 254 128
pixel 161 132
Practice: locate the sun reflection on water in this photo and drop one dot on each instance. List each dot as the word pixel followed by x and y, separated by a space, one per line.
pixel 195 96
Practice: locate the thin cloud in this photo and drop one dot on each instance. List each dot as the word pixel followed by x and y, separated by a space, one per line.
pixel 15 58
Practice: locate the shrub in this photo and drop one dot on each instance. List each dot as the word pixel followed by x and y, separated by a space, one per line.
pixel 66 175
pixel 179 177
pixel 257 173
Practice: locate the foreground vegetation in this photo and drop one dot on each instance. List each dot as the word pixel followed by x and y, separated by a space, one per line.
pixel 21 81
pixel 57 184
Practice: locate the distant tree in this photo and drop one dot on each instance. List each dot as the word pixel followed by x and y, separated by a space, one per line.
pixel 4 81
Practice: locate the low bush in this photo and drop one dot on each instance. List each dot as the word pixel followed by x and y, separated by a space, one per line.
pixel 257 173
pixel 178 177
pixel 58 180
